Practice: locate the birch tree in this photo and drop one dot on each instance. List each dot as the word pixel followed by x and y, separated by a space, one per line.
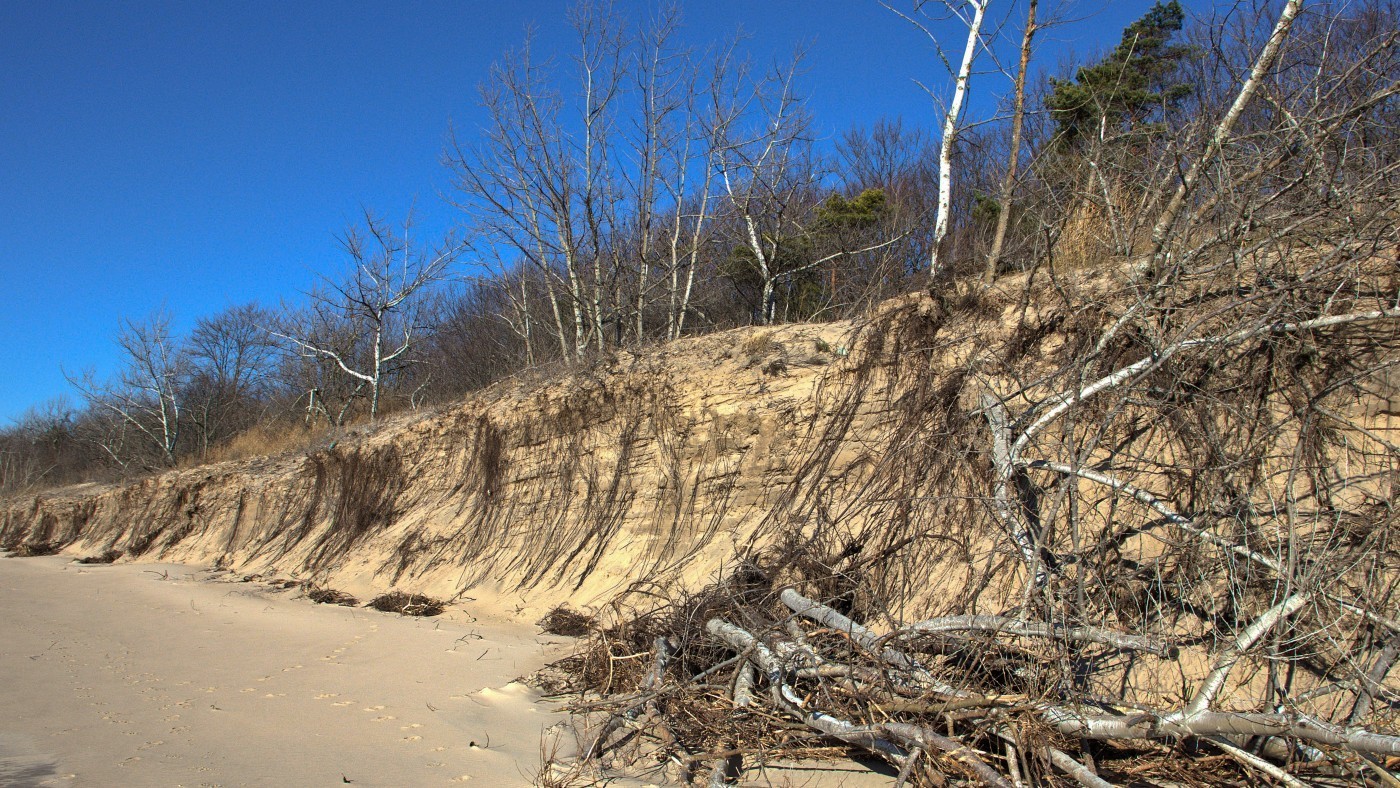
pixel 971 14
pixel 147 395
pixel 758 128
pixel 377 300
pixel 595 178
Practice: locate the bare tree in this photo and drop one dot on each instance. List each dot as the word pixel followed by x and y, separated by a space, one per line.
pixel 598 181
pixel 547 194
pixel 759 129
pixel 971 13
pixel 1013 157
pixel 377 301
pixel 147 393
pixel 231 355
pixel 40 448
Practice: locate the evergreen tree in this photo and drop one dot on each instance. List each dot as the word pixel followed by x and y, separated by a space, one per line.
pixel 1124 88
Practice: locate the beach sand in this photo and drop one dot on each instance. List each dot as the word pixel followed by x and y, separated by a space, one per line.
pixel 160 675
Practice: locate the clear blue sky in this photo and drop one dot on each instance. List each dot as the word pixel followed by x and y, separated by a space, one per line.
pixel 196 155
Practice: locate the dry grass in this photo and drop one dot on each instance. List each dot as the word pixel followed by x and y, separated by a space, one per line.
pixel 265 440
pixel 407 604
pixel 565 621
pixel 107 557
pixel 35 549
pixel 330 596
pixel 758 346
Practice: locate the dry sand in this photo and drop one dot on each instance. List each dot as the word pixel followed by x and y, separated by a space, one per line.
pixel 160 675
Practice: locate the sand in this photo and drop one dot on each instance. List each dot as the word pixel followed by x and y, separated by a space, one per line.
pixel 160 675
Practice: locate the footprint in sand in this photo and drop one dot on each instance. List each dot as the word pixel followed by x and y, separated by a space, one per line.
pixel 413 738
pixel 344 703
pixel 411 726
pixel 380 707
pixel 325 695
pixel 384 718
pixel 275 695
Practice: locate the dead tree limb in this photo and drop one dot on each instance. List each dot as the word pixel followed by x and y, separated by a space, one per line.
pixel 866 639
pixel 1075 769
pixel 1009 513
pixel 867 737
pixel 1066 400
pixel 921 737
pixel 1190 526
pixel 1003 625
pixel 663 650
pixel 1371 681
pixel 1225 663
pixel 1253 761
pixel 1218 723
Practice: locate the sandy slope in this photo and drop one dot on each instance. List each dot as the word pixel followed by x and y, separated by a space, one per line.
pixel 162 675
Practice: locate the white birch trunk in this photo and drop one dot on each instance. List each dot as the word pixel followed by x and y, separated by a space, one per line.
pixel 950 133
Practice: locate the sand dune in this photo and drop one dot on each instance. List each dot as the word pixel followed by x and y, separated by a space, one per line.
pixel 148 674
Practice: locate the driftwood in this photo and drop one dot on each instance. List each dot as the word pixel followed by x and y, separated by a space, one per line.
pixel 927 739
pixel 847 686
pixel 662 653
pixel 1075 769
pixel 867 639
pixel 1002 625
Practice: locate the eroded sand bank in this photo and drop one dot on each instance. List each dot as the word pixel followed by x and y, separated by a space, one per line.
pixel 143 674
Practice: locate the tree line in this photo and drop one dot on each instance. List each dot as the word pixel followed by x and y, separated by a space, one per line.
pixel 640 189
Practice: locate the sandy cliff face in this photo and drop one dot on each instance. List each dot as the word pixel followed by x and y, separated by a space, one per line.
pixel 832 452
pixel 634 471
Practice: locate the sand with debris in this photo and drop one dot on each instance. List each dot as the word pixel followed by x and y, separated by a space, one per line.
pixel 149 674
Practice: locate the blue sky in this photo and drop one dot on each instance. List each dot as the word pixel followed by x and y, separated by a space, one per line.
pixel 197 155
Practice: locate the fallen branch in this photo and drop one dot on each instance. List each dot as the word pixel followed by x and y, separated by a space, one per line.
pixel 1009 514
pixel 1189 526
pixel 1075 769
pixel 921 737
pixel 663 651
pixel 1066 400
pixel 1371 681
pixel 866 639
pixel 1255 762
pixel 1002 625
pixel 1178 725
pixel 1228 658
pixel 862 736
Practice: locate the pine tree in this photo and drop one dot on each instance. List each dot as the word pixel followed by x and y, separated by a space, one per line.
pixel 1124 88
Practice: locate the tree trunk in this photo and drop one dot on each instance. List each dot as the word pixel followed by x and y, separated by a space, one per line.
pixel 1018 115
